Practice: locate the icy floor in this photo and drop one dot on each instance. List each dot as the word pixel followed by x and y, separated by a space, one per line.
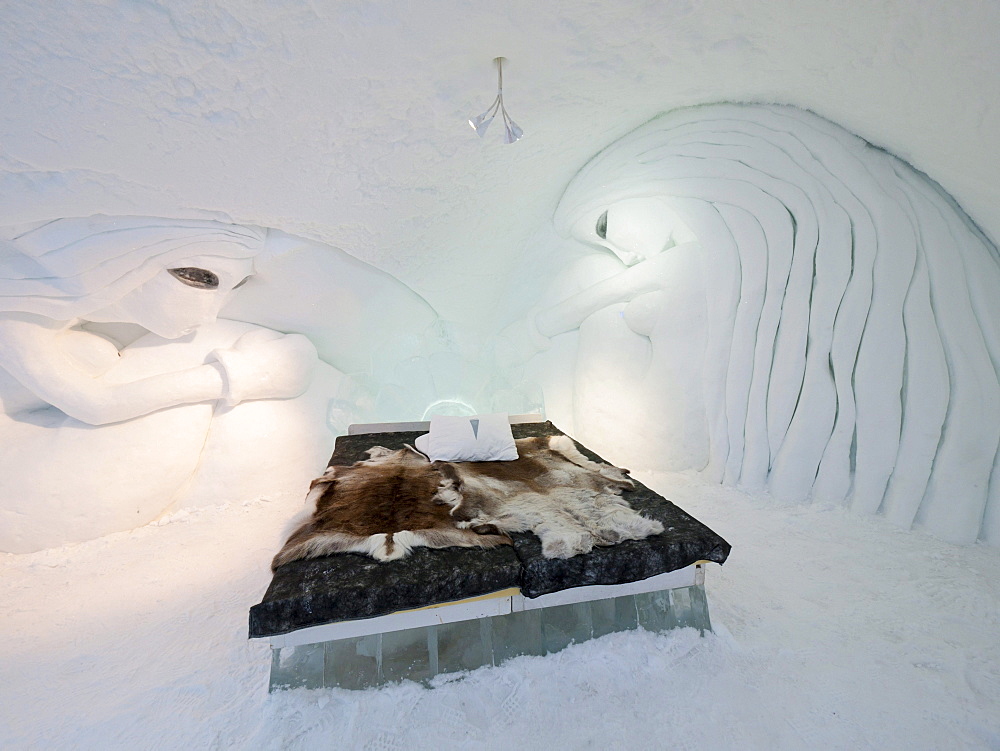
pixel 832 631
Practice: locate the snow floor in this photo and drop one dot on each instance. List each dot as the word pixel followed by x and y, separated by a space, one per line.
pixel 833 631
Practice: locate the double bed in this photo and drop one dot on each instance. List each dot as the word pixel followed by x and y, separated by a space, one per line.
pixel 351 621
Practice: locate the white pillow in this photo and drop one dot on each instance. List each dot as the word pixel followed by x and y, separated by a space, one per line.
pixel 479 438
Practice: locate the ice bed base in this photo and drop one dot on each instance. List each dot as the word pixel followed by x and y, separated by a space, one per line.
pixel 372 627
pixel 420 645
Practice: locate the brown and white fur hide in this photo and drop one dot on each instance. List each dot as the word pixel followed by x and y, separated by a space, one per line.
pixel 383 507
pixel 553 490
pixel 398 500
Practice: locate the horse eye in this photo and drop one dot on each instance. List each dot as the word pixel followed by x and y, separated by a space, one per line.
pixel 194 277
pixel 602 226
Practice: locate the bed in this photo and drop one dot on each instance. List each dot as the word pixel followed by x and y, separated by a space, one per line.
pixel 350 621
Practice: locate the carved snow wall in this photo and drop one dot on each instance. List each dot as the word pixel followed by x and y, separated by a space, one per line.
pixel 151 364
pixel 786 306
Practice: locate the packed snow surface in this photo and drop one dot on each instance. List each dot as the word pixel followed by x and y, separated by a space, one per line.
pixel 347 121
pixel 831 631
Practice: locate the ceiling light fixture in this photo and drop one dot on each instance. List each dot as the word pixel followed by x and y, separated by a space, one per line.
pixel 481 122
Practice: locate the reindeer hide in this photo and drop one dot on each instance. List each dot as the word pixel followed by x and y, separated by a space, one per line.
pixel 382 507
pixel 397 500
pixel 553 490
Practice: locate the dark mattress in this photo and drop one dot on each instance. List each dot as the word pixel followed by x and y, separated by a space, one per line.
pixel 350 586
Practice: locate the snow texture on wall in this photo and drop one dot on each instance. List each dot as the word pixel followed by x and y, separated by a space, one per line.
pixel 787 306
pixel 345 121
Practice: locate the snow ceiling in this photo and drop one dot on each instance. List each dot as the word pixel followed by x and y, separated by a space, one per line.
pixel 345 122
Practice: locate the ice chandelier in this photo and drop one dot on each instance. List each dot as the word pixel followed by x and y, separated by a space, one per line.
pixel 481 122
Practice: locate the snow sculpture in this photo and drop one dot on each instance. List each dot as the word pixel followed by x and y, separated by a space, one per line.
pixel 123 393
pixel 786 306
